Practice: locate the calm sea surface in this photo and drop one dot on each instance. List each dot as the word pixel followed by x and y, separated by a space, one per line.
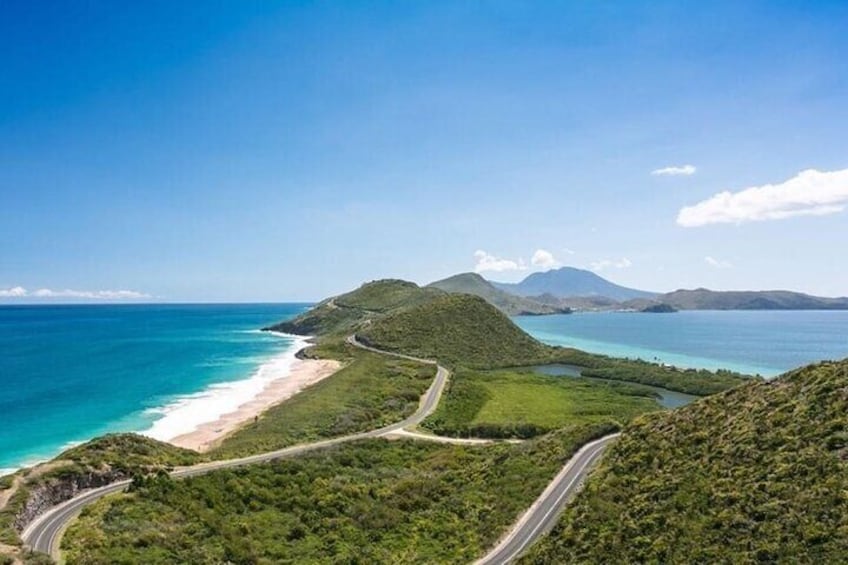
pixel 69 373
pixel 763 342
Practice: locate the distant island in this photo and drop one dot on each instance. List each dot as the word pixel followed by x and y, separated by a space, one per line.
pixel 569 289
pixel 661 308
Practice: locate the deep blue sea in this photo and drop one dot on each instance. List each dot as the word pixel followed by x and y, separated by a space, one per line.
pixel 756 342
pixel 69 373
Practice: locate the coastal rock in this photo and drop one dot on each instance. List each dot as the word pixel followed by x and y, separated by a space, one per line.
pixel 44 496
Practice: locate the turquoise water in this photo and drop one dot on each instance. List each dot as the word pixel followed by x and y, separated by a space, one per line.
pixel 756 342
pixel 69 373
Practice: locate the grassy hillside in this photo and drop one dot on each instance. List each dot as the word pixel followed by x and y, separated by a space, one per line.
pixel 509 304
pixel 703 299
pixel 346 312
pixel 503 404
pixel 374 501
pixel 456 329
pixel 370 391
pixel 758 474
pixel 105 459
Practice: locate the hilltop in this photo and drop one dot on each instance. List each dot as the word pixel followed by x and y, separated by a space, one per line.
pixel 455 329
pixel 704 299
pixel 347 311
pixel 756 474
pixel 569 282
pixel 510 304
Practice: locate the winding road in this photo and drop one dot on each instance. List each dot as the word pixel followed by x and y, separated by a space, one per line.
pixel 44 534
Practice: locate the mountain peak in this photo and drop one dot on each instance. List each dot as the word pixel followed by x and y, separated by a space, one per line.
pixel 570 282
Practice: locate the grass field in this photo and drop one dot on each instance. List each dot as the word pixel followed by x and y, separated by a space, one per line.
pixel 524 404
pixel 370 391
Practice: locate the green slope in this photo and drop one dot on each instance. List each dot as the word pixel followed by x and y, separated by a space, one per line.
pixel 703 299
pixel 456 329
pixel 347 311
pixel 758 474
pixel 511 305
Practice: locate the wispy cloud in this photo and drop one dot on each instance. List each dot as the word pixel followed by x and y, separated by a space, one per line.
pixel 488 262
pixel 605 264
pixel 46 293
pixel 675 171
pixel 717 263
pixel 809 193
pixel 544 259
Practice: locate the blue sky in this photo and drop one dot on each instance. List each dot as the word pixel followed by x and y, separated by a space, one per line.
pixel 244 151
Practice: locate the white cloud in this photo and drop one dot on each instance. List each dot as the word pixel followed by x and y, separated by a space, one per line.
pixel 14 292
pixel 675 171
pixel 717 263
pixel 487 262
pixel 604 264
pixel 20 292
pixel 809 193
pixel 544 259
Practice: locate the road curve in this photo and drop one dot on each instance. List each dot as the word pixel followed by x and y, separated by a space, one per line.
pixel 542 514
pixel 45 532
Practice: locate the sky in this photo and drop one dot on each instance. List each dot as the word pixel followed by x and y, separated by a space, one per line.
pixel 284 151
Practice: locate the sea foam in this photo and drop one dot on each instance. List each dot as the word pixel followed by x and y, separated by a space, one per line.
pixel 187 413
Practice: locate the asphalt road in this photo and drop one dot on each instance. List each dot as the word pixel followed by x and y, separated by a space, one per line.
pixel 45 532
pixel 542 515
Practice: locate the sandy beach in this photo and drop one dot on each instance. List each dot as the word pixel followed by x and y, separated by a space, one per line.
pixel 303 373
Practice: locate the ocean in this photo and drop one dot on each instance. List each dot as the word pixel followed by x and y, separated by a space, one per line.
pixel 70 373
pixel 761 342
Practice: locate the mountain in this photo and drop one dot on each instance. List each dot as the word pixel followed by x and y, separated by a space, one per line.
pixel 347 311
pixel 510 304
pixel 568 282
pixel 757 474
pixel 456 329
pixel 703 299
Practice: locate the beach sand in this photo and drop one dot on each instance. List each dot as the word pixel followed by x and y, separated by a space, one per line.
pixel 303 373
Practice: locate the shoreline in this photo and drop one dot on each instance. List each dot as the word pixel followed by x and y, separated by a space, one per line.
pixel 302 373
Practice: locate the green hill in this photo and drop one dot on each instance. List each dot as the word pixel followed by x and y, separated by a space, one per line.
pixel 703 299
pixel 511 305
pixel 345 312
pixel 456 329
pixel 758 474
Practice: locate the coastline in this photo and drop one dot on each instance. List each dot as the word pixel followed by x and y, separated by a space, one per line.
pixel 199 421
pixel 302 373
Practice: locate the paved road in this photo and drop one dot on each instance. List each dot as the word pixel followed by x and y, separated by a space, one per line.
pixel 542 515
pixel 45 533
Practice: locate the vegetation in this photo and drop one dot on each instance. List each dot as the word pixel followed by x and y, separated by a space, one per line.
pixel 508 404
pixel 372 390
pixel 342 314
pixel 756 474
pixel 99 461
pixel 699 382
pixel 464 330
pixel 703 299
pixel 374 501
pixel 456 329
pixel 509 304
pixel 127 454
